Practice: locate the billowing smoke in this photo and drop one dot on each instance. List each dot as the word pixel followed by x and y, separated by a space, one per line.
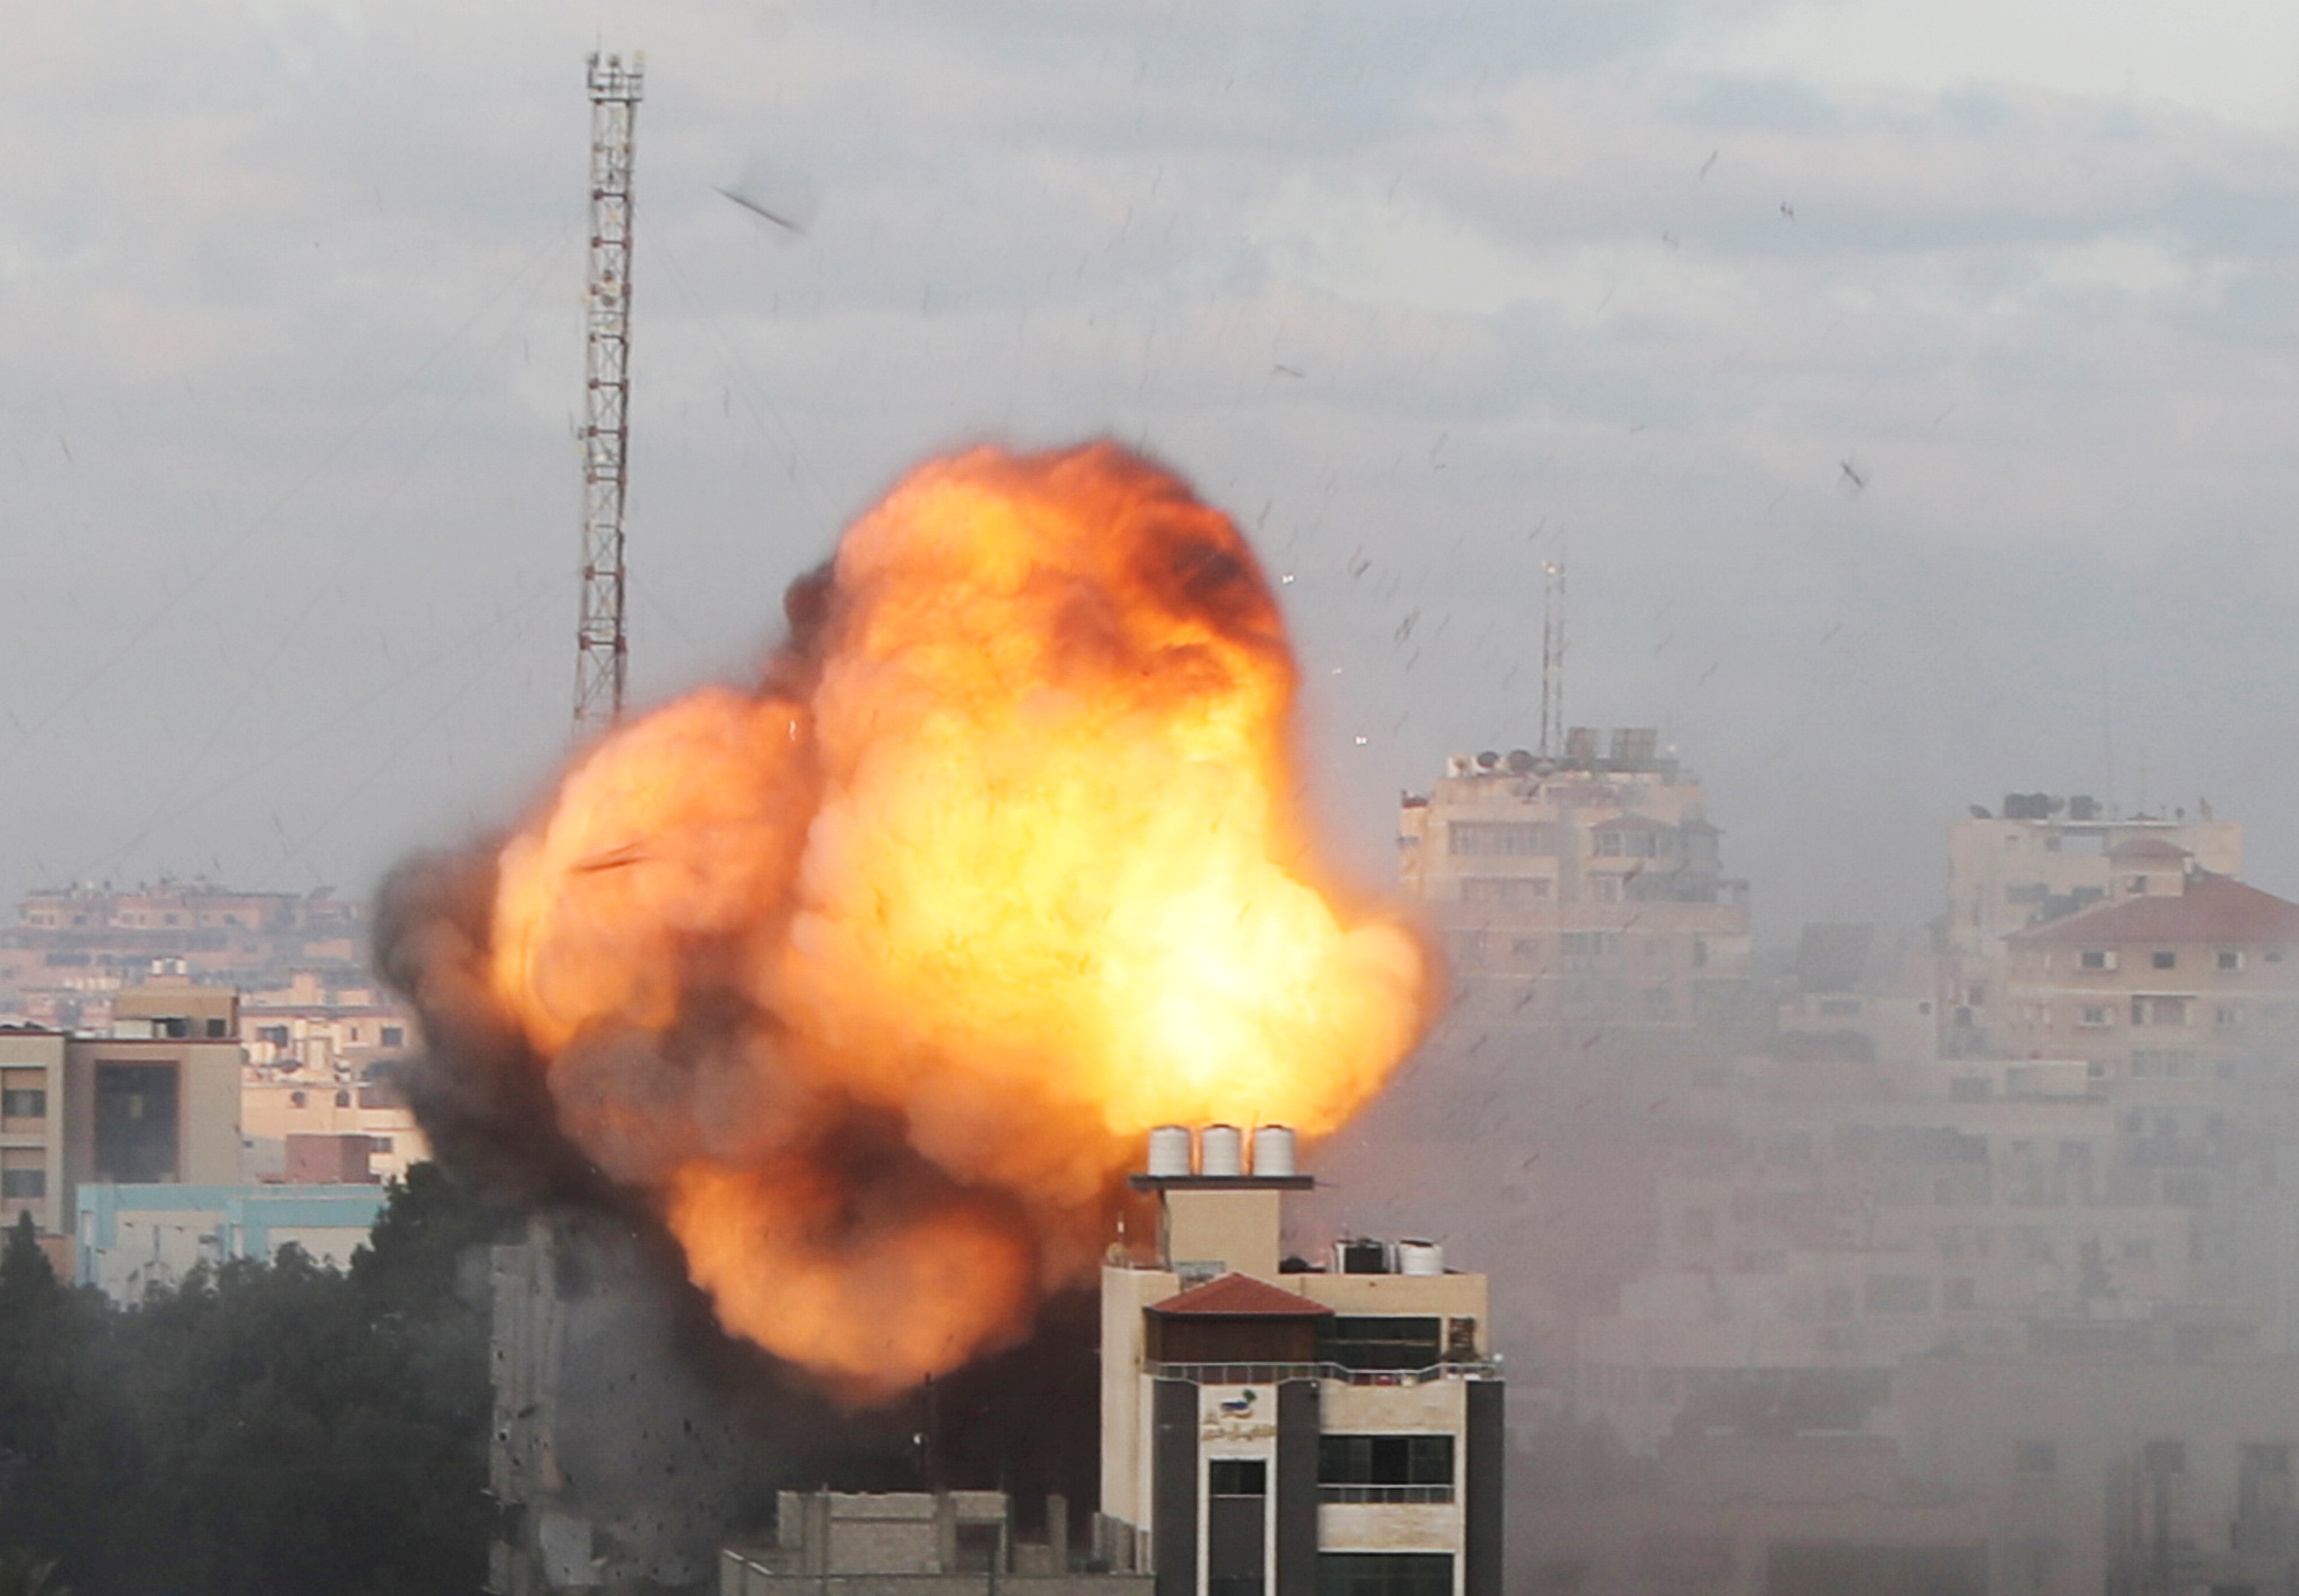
pixel 870 979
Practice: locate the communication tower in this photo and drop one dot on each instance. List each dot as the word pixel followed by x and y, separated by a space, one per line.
pixel 602 647
pixel 1553 660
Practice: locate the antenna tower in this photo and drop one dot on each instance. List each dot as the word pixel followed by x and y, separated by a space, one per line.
pixel 1553 660
pixel 602 648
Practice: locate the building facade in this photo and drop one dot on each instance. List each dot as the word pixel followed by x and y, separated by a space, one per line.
pixel 1276 1428
pixel 131 1240
pixel 1581 890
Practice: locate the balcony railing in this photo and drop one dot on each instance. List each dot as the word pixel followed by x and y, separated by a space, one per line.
pixel 1384 1493
pixel 1273 1373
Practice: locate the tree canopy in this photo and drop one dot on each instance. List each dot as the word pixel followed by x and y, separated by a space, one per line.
pixel 262 1429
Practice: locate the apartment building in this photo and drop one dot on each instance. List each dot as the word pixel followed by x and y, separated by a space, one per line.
pixel 2179 975
pixel 155 1101
pixel 2039 859
pixel 1586 888
pixel 1270 1425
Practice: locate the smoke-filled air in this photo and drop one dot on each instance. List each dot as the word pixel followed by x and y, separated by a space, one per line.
pixel 871 979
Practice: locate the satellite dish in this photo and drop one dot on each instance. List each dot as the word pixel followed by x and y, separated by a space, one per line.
pixel 1488 760
pixel 1520 762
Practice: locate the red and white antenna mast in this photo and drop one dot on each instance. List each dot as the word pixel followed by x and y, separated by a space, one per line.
pixel 602 647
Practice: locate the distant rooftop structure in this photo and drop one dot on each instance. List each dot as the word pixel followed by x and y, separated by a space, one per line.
pixel 2213 908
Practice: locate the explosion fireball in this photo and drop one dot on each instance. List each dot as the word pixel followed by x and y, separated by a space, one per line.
pixel 873 978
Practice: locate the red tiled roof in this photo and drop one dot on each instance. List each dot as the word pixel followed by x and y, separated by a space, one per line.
pixel 1241 1297
pixel 2212 909
pixel 2146 848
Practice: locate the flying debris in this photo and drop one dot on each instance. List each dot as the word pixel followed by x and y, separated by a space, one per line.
pixel 776 195
pixel 1853 480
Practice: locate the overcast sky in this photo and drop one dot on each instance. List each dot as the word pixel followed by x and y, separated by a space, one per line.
pixel 1908 387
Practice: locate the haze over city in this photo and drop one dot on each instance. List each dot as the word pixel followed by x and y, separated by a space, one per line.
pixel 1904 397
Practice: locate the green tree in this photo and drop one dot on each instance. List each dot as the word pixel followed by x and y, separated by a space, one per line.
pixel 265 1428
pixel 25 1574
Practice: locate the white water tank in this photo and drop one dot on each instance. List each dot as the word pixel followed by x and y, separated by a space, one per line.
pixel 1420 1258
pixel 1273 1150
pixel 1169 1150
pixel 1221 1152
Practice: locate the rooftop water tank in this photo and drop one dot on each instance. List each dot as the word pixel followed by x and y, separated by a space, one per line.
pixel 1221 1152
pixel 1273 1150
pixel 1169 1150
pixel 1420 1258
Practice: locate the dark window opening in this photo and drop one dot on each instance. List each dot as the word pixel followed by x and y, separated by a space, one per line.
pixel 1385 1468
pixel 1237 1476
pixel 24 1103
pixel 136 1119
pixel 23 1183
pixel 2035 1457
pixel 1384 1574
pixel 2163 1457
pixel 1388 1342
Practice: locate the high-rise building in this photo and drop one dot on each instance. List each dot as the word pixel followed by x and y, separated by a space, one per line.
pixel 1274 1427
pixel 156 1101
pixel 2040 859
pixel 1585 889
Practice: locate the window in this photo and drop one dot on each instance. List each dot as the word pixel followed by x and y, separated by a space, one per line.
pixel 218 1028
pixel 1384 1574
pixel 2035 1458
pixel 2229 959
pixel 396 1035
pixel 1899 1294
pixel 1387 1342
pixel 379 1144
pixel 2165 960
pixel 2159 1009
pixel 2228 1014
pixel 23 1183
pixel 1385 1468
pixel 24 1103
pixel 1237 1476
pixel 342 1099
pixel 1498 890
pixel 2095 1014
pixel 272 1035
pixel 2163 1457
pixel 1501 837
pixel 2096 959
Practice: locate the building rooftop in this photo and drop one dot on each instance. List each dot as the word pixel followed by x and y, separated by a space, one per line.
pixel 1241 1297
pixel 2214 908
pixel 2147 848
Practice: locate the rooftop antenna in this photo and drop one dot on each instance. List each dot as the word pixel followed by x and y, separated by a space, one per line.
pixel 602 646
pixel 1553 659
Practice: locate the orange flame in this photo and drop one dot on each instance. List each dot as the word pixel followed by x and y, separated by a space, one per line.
pixel 913 945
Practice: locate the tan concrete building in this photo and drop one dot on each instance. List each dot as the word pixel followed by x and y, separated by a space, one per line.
pixel 32 1134
pixel 1581 889
pixel 1269 1425
pixel 276 1112
pixel 155 1102
pixel 913 1543
pixel 311 1026
pixel 2040 859
pixel 2178 976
